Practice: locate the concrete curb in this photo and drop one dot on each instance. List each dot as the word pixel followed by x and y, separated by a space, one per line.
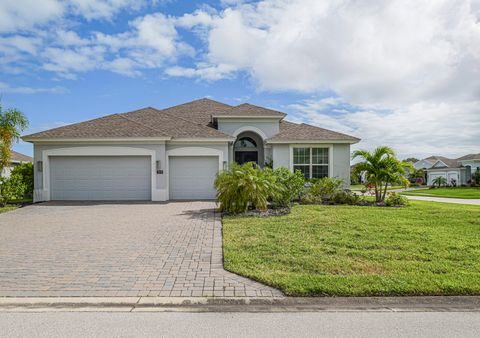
pixel 243 304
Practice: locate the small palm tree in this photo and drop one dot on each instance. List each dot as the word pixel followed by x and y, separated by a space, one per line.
pixel 382 168
pixel 440 181
pixel 12 123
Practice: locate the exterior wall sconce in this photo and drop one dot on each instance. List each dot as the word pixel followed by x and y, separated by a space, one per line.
pixel 224 165
pixel 159 167
pixel 40 166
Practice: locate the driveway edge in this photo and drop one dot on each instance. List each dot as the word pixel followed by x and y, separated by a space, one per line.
pixel 243 304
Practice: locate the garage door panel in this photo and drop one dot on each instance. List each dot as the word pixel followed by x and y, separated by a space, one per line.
pixel 100 178
pixel 192 177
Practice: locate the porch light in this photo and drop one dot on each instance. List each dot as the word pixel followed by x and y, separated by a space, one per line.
pixel 39 166
pixel 158 164
pixel 224 165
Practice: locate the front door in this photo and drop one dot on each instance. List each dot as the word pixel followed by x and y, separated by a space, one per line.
pixel 242 157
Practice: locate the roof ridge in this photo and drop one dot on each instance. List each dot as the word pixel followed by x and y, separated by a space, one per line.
pixel 139 123
pixel 191 122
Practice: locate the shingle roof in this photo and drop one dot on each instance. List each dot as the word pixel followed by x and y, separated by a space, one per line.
pixel 188 120
pixel 17 157
pixel 143 123
pixel 199 111
pixel 304 132
pixel 247 109
pixel 469 157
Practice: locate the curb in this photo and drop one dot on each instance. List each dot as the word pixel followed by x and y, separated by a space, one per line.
pixel 243 304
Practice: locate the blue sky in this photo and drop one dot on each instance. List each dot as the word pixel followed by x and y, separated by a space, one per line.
pixel 402 73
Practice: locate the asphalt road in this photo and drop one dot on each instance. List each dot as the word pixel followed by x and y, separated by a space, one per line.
pixel 181 324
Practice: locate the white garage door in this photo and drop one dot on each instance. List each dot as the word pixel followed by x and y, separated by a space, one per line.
pixel 100 178
pixel 192 177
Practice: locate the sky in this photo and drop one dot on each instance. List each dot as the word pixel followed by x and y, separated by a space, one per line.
pixel 402 73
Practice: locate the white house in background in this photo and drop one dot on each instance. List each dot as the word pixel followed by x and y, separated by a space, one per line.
pixel 459 169
pixel 175 153
pixel 16 159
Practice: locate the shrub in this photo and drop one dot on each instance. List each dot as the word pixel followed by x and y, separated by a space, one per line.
pixel 291 186
pixel 244 186
pixel 345 197
pixel 476 176
pixel 25 173
pixel 396 200
pixel 322 190
pixel 11 188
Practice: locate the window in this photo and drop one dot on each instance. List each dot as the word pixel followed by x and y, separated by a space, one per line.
pixel 245 142
pixel 312 162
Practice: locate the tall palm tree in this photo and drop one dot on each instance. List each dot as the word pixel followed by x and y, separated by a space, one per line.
pixel 382 168
pixel 12 123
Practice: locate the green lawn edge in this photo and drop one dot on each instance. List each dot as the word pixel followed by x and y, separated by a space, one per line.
pixel 461 192
pixel 453 269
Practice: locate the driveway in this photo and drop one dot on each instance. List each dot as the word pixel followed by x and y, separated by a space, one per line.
pixel 117 249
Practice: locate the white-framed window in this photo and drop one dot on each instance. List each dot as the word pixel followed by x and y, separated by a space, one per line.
pixel 311 161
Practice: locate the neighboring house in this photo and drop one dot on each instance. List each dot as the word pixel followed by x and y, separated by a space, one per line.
pixel 15 160
pixel 175 153
pixel 459 170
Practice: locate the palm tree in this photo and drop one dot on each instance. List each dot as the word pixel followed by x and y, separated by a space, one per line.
pixel 12 123
pixel 440 180
pixel 382 168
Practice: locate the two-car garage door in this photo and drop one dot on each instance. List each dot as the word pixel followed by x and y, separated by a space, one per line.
pixel 100 178
pixel 129 177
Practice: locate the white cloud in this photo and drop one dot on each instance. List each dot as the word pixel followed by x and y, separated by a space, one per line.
pixel 203 70
pixel 99 9
pixel 387 53
pixel 25 14
pixel 6 88
pixel 420 129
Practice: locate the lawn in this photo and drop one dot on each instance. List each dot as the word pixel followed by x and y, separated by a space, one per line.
pixel 458 192
pixel 7 208
pixel 425 249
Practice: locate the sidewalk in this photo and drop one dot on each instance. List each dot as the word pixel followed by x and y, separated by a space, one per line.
pixel 223 304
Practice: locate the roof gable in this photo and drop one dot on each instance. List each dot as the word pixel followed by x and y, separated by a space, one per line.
pixel 290 131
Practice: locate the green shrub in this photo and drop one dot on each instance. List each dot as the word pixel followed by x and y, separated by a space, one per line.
pixel 345 197
pixel 244 186
pixel 291 186
pixel 11 188
pixel 25 173
pixel 396 200
pixel 322 190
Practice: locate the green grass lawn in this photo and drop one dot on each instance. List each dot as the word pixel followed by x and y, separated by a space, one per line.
pixel 458 192
pixel 427 248
pixel 7 208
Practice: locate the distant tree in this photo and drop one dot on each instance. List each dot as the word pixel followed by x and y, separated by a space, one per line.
pixel 411 160
pixel 382 168
pixel 12 123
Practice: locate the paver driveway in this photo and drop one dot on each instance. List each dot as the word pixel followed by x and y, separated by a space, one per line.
pixel 136 249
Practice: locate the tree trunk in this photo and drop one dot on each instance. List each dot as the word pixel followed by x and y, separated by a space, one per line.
pixel 385 192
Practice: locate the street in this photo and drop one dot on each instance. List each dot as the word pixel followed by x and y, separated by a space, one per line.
pixel 211 324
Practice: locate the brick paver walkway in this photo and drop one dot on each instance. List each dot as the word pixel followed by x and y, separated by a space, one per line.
pixel 88 249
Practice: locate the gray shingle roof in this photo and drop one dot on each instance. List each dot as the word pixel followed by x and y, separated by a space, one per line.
pixel 17 157
pixel 188 120
pixel 469 157
pixel 247 109
pixel 143 123
pixel 290 131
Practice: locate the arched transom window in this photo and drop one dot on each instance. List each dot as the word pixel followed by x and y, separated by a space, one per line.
pixel 245 142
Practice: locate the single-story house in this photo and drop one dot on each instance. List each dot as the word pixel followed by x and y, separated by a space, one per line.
pixel 458 170
pixel 16 159
pixel 175 153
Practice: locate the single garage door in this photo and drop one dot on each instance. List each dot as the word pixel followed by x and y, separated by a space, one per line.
pixel 192 177
pixel 100 178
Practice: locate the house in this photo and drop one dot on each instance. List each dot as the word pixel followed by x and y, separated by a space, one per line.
pixel 16 159
pixel 458 170
pixel 175 153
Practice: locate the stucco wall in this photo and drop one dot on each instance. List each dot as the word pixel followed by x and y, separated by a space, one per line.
pixel 340 158
pixel 268 127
